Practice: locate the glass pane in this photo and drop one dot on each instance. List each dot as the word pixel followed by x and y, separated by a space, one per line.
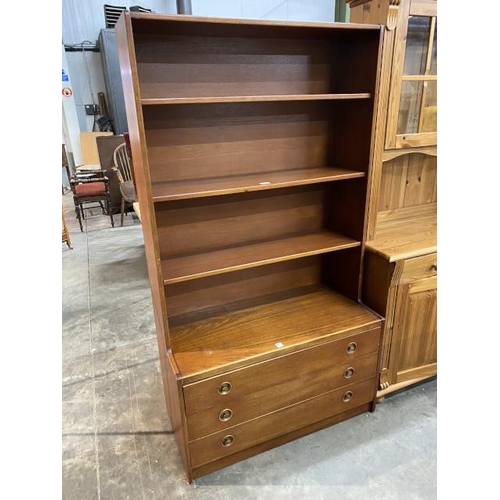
pixel 417 42
pixel 409 107
pixel 429 118
pixel 434 62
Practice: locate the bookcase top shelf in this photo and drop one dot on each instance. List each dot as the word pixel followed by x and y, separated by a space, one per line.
pixel 143 19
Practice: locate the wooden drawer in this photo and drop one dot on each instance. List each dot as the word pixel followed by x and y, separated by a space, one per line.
pixel 281 422
pixel 222 390
pixel 276 396
pixel 419 268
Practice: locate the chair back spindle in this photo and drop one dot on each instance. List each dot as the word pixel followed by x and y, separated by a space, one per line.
pixel 122 165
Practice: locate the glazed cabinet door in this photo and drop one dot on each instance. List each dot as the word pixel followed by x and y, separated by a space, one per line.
pixel 412 119
pixel 414 341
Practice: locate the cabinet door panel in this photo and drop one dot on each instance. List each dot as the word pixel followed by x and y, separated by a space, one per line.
pixel 415 330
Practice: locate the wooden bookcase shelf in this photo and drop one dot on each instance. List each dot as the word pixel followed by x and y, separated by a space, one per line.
pixel 304 319
pixel 252 98
pixel 251 144
pixel 200 265
pixel 245 183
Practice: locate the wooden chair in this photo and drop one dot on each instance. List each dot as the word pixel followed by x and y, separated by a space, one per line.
pixel 65 166
pixel 91 187
pixel 122 165
pixel 65 233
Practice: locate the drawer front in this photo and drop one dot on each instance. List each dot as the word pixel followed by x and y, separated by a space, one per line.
pixel 219 391
pixel 419 268
pixel 276 396
pixel 281 422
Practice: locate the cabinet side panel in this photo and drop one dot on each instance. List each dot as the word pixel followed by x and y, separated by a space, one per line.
pixel 356 63
pixel 176 412
pixel 368 12
pixel 376 282
pixel 130 83
pixel 341 271
pixel 345 204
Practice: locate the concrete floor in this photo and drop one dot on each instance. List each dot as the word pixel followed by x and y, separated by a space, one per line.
pixel 117 441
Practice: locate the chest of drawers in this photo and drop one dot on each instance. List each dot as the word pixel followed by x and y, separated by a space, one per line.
pixel 244 411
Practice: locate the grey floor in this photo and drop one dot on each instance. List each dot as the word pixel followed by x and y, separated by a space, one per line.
pixel 117 441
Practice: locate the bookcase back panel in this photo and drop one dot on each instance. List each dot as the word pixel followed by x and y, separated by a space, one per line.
pixel 240 289
pixel 205 141
pixel 197 66
pixel 214 223
pixel 345 206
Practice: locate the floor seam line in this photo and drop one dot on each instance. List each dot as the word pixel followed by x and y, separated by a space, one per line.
pixel 92 373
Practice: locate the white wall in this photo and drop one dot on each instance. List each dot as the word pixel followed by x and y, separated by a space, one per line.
pixel 85 84
pixel 297 10
pixel 83 19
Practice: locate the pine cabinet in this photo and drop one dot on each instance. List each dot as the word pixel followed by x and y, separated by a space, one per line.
pixel 252 152
pixel 406 292
pixel 402 209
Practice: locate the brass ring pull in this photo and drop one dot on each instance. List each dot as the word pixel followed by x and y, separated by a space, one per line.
pixel 225 415
pixel 351 347
pixel 347 396
pixel 349 372
pixel 224 388
pixel 227 441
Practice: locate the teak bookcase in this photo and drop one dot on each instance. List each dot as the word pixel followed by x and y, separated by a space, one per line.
pixel 252 145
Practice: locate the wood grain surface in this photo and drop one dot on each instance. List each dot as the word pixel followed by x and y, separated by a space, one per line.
pixel 225 342
pixel 280 422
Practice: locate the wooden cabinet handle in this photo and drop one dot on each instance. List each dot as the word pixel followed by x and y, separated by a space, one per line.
pixel 347 396
pixel 351 347
pixel 225 415
pixel 227 441
pixel 434 267
pixel 224 388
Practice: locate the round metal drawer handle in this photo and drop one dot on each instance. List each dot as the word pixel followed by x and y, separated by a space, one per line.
pixel 224 388
pixel 347 396
pixel 227 440
pixel 349 372
pixel 225 415
pixel 351 347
